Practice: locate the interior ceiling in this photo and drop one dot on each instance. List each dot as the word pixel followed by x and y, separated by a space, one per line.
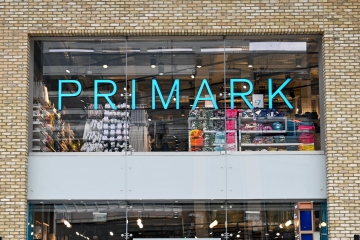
pixel 178 65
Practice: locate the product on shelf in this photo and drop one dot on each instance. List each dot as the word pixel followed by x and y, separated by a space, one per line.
pixel 220 138
pixel 218 127
pixel 196 138
pixel 270 129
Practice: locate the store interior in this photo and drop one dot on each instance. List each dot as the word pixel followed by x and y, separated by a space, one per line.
pixel 235 220
pixel 190 60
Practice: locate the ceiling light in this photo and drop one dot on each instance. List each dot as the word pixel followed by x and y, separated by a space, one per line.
pixel 120 50
pixel 152 62
pixel 111 234
pixel 238 235
pixel 298 61
pixel 68 71
pixel 105 66
pixel 72 50
pixel 199 62
pixel 194 72
pixel 277 234
pixel 213 224
pixel 221 50
pixel 77 233
pixel 277 46
pixel 250 62
pixel 323 224
pixel 161 69
pixel 280 226
pixel 66 223
pixel 244 86
pixel 288 223
pixel 124 88
pixel 170 50
pixel 174 99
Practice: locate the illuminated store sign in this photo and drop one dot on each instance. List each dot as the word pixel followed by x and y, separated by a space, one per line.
pixel 175 88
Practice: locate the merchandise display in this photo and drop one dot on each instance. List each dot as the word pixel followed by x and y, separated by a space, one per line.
pixel 270 130
pixel 50 132
pixel 212 130
pixel 104 130
pixel 258 130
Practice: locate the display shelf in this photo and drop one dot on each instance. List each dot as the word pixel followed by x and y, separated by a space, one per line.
pixel 39 132
pixel 40 141
pixel 268 144
pixel 263 131
pixel 212 118
pixel 205 119
pixel 39 116
pixel 265 121
pixel 36 149
pixel 214 131
pixel 263 118
pixel 37 122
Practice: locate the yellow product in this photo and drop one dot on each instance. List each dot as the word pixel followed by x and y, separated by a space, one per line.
pixel 306 147
pixel 196 138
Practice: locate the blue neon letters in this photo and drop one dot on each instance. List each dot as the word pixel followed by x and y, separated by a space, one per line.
pixel 61 94
pixel 176 87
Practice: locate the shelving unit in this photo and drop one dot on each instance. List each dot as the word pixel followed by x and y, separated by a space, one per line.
pixel 260 132
pixel 39 132
pixel 214 146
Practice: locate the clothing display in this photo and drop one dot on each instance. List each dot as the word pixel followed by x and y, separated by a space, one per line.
pixel 40 92
pixel 138 133
pixel 139 138
pixel 107 130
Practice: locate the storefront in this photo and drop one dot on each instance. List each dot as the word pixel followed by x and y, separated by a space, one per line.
pixel 174 137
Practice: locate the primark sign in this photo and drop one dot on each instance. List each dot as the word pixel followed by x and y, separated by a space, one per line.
pixel 204 90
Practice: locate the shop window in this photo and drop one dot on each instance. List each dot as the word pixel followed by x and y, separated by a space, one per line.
pixel 231 220
pixel 176 95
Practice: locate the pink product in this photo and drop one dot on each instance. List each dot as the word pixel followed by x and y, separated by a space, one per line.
pixel 231 113
pixel 230 138
pixel 267 128
pixel 230 124
pixel 231 148
pixel 306 138
pixel 306 127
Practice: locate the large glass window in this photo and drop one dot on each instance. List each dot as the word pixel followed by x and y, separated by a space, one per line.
pixel 203 94
pixel 203 219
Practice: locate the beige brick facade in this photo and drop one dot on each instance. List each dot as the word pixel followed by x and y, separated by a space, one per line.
pixel 337 21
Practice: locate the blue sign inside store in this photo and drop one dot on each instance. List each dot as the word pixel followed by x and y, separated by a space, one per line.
pixel 174 90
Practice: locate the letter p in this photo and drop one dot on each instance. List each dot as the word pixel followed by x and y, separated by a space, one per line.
pixel 61 94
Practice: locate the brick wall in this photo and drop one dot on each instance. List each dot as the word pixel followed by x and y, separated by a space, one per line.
pixel 338 21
